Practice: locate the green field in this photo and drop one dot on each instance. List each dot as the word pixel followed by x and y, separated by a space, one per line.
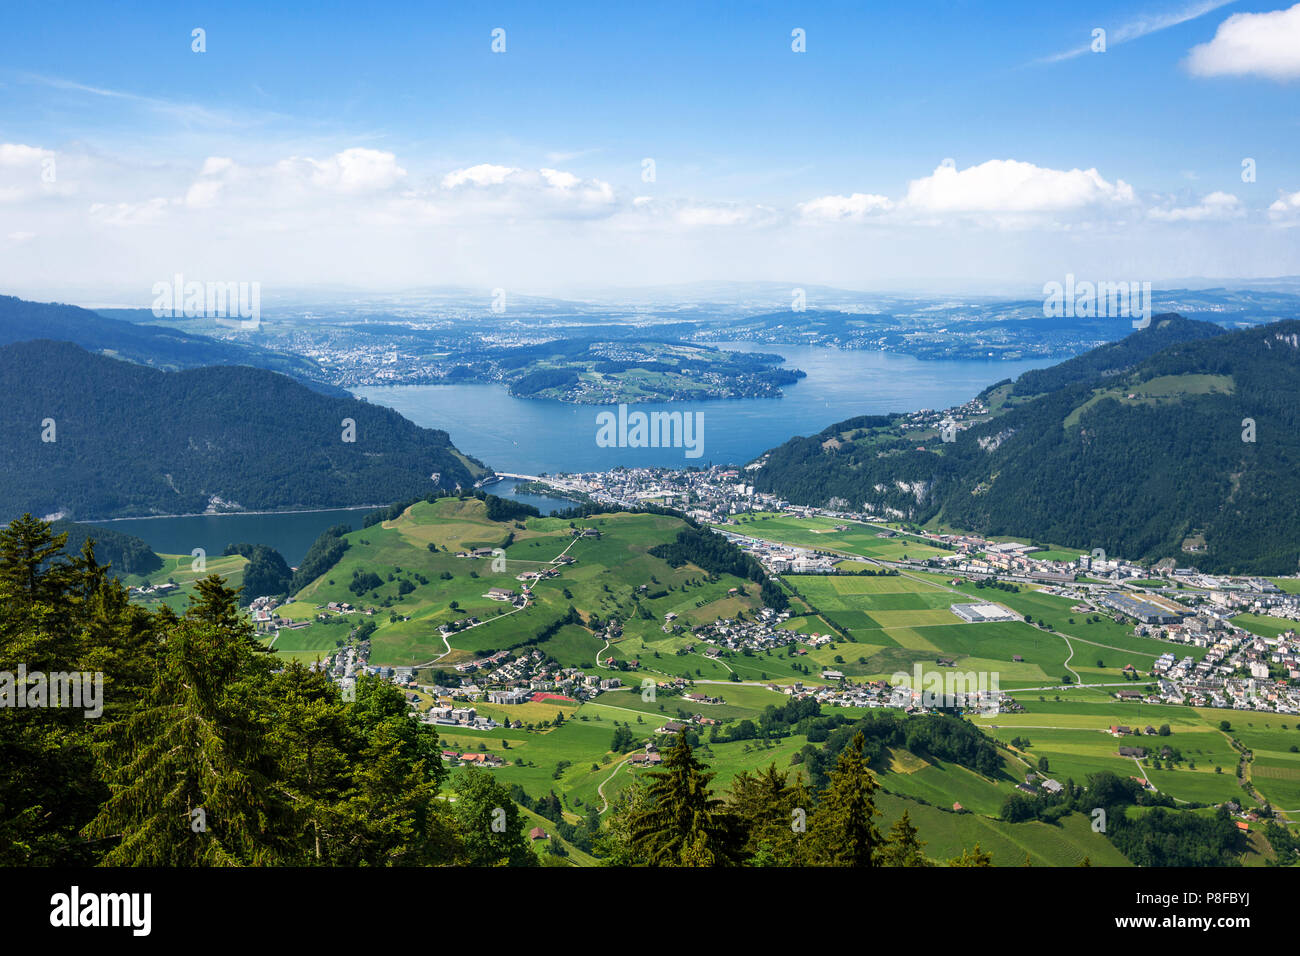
pixel 602 582
pixel 857 539
pixel 879 624
pixel 1263 625
pixel 182 570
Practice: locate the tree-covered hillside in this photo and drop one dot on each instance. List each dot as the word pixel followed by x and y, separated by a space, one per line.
pixel 152 345
pixel 1133 457
pixel 129 440
pixel 126 553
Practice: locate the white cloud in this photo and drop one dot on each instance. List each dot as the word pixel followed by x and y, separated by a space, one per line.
pixel 1252 44
pixel 216 165
pixel 648 212
pixel 25 172
pixel 484 174
pixel 130 213
pixel 357 215
pixel 1011 186
pixel 353 170
pixel 1217 206
pixel 507 191
pixel 558 179
pixel 854 208
pixel 16 154
pixel 1286 210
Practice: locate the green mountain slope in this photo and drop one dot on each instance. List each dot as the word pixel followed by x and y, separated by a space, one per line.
pixel 131 440
pixel 151 345
pixel 1133 450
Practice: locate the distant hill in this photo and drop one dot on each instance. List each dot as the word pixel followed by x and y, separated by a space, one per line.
pixel 152 345
pixel 1117 357
pixel 131 440
pixel 1133 448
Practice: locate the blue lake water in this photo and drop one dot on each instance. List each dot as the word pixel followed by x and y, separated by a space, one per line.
pixel 527 436
pixel 290 533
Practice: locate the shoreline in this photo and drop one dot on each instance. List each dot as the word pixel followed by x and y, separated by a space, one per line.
pixel 228 514
pixel 236 514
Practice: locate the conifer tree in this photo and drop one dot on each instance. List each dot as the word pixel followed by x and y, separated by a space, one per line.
pixel 312 742
pixel 772 813
pixel 973 857
pixel 188 771
pixel 842 831
pixel 59 614
pixel 902 848
pixel 613 842
pixel 683 824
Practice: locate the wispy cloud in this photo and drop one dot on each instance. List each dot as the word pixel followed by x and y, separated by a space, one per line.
pixel 1141 26
pixel 190 113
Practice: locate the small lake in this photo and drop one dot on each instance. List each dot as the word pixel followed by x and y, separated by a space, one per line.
pixel 290 533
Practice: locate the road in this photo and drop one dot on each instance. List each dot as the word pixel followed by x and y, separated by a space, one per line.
pixel 600 788
pixel 527 592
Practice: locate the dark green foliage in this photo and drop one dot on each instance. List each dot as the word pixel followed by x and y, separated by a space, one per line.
pixel 208 751
pixel 683 823
pixel 323 554
pixel 542 379
pixel 1131 477
pixel 490 825
pixel 503 509
pixel 133 440
pixel 937 736
pixel 1163 837
pixel 772 812
pixel 623 739
pixel 713 553
pixel 363 581
pixel 189 770
pixel 266 574
pixel 842 831
pixel 126 553
pixel 60 613
pixel 146 344
pixel 1115 358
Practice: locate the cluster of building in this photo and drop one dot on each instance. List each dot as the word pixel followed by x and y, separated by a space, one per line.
pixel 763 632
pixel 1238 669
pixel 708 495
pixel 784 558
pixel 881 693
pixel 154 590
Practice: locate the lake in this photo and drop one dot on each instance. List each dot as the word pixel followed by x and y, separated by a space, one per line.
pixel 528 436
pixel 289 532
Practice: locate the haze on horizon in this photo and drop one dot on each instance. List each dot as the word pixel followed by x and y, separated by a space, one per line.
pixel 630 149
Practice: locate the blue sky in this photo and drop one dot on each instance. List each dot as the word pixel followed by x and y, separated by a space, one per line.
pixel 326 128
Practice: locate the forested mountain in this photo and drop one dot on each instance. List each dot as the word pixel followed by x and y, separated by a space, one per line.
pixel 1134 450
pixel 130 440
pixel 152 345
pixel 1116 357
pixel 126 553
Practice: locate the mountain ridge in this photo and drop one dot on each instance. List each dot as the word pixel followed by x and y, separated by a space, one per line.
pixel 94 436
pixel 1136 463
pixel 154 346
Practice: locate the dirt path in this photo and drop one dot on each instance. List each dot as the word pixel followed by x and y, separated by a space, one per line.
pixel 600 789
